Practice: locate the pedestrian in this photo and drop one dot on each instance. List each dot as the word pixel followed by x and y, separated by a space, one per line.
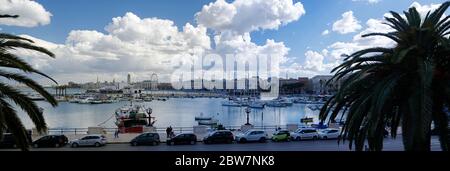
pixel 169 131
pixel 116 134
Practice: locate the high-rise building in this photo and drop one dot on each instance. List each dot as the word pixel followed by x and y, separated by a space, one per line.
pixel 129 79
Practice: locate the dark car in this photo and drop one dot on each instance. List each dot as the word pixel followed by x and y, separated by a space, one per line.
pixel 183 139
pixel 219 137
pixel 51 141
pixel 8 140
pixel 146 139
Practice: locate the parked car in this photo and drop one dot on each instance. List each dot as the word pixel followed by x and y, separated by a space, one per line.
pixel 146 139
pixel 304 134
pixel 282 135
pixel 51 141
pixel 329 133
pixel 222 136
pixel 252 136
pixel 8 140
pixel 187 138
pixel 89 140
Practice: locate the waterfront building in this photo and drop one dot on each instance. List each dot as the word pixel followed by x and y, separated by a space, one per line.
pixel 318 85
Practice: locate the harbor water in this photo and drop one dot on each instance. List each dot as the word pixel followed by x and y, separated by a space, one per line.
pixel 175 112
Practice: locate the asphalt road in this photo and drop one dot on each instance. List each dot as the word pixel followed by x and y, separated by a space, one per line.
pixel 318 145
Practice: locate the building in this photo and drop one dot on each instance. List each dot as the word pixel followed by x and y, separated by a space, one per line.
pixel 146 85
pixel 129 79
pixel 294 86
pixel 318 85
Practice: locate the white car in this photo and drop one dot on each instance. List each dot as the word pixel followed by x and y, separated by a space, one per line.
pixel 252 135
pixel 329 134
pixel 89 140
pixel 305 134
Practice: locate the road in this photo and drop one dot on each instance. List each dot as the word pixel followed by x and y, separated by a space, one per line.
pixel 318 145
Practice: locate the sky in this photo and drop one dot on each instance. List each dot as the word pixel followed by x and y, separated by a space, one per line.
pixel 111 38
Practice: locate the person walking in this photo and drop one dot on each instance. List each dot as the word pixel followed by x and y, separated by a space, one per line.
pixel 116 134
pixel 168 132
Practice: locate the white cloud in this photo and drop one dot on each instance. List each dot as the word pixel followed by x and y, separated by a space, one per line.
pixel 369 1
pixel 142 46
pixel 31 13
pixel 423 9
pixel 131 44
pixel 325 32
pixel 243 16
pixel 347 24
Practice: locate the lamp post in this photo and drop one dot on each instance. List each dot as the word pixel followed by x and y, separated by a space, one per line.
pixel 247 110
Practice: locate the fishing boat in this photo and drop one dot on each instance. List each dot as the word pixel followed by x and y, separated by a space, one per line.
pixel 133 118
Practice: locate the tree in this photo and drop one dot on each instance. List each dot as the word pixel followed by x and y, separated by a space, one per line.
pixel 14 68
pixel 404 86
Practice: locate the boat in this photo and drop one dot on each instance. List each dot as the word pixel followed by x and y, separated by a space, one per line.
pixel 201 117
pixel 86 100
pixel 231 103
pixel 148 99
pixel 281 102
pixel 36 97
pixel 315 107
pixel 208 122
pixel 133 118
pixel 74 100
pixel 96 102
pixel 257 104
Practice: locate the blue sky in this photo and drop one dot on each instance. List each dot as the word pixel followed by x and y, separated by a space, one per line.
pixel 299 36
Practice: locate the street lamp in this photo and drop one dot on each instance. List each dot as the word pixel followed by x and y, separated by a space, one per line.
pixel 247 110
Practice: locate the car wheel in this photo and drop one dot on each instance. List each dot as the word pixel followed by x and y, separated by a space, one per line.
pixel 134 143
pixel 193 142
pixel 229 141
pixel 97 144
pixel 298 139
pixel 288 139
pixel 315 138
pixel 172 143
pixel 75 145
pixel 36 145
pixel 325 138
pixel 57 145
pixel 262 140
pixel 154 143
pixel 14 146
pixel 242 140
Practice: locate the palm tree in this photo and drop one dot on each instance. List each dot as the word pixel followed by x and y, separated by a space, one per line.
pixel 12 67
pixel 407 85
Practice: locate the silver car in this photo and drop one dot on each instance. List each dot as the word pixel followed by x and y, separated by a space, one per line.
pixel 89 140
pixel 252 135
